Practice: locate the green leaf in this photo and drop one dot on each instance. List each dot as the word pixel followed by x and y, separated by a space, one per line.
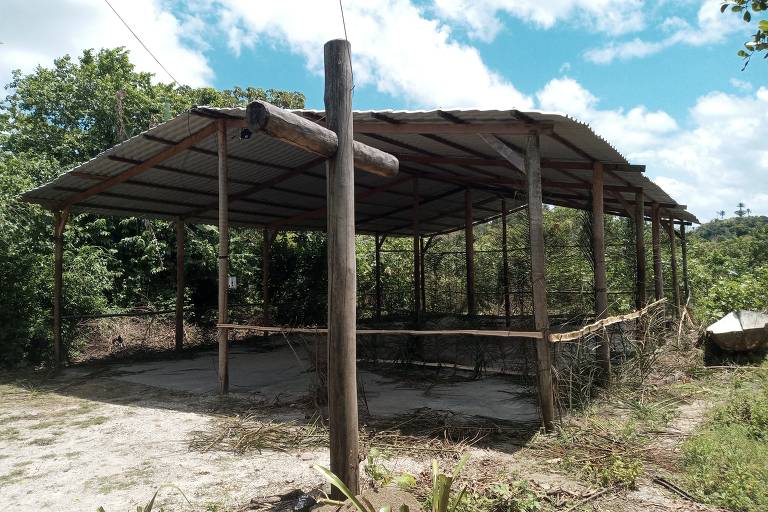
pixel 460 465
pixel 336 482
pixel 151 504
pixel 763 25
pixel 405 481
pixel 747 16
pixel 723 7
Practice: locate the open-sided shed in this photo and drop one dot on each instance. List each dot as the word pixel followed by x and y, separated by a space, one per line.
pixel 457 168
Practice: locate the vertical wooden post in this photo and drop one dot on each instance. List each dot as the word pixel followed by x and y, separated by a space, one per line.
pixel 59 224
pixel 658 276
pixel 223 333
pixel 505 264
pixel 640 278
pixel 673 266
pixel 598 250
pixel 423 287
pixel 379 241
pixel 266 260
pixel 180 235
pixel 469 240
pixel 416 253
pixel 684 254
pixel 538 279
pixel 342 353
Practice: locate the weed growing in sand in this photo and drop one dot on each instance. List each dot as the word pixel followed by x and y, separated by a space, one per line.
pixel 381 476
pixel 90 422
pixel 12 477
pixel 43 441
pixel 151 503
pixel 514 496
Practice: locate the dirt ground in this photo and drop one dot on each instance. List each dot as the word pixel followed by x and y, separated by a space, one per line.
pixel 111 436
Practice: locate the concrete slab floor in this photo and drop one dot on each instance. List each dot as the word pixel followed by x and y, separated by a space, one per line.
pixel 285 372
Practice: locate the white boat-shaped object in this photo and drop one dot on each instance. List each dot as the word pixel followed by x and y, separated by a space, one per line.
pixel 740 331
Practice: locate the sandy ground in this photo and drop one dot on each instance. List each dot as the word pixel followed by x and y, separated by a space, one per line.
pixel 111 436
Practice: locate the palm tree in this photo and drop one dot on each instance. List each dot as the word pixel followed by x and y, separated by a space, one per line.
pixel 740 212
pixel 748 212
pixel 721 213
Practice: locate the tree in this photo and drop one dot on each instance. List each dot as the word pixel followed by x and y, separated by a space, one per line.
pixel 740 211
pixel 51 120
pixel 721 213
pixel 746 10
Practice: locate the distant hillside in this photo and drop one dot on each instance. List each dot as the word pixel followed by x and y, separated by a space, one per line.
pixel 731 228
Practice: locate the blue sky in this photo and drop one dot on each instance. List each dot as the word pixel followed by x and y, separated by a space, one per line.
pixel 658 79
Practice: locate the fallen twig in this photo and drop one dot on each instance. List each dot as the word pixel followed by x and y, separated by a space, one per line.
pixel 589 498
pixel 672 487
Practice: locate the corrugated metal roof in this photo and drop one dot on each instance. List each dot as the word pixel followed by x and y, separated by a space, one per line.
pixel 279 185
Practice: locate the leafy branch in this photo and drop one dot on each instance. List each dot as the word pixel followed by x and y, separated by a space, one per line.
pixel 746 9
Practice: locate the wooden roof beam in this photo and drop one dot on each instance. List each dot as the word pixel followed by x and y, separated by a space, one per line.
pixel 359 197
pixel 293 129
pixel 144 166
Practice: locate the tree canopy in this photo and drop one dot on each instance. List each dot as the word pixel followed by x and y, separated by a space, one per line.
pixel 52 119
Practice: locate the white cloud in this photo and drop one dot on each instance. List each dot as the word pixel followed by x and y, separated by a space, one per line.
pixel 713 160
pixel 71 26
pixel 396 47
pixel 481 16
pixel 711 27
pixel 741 85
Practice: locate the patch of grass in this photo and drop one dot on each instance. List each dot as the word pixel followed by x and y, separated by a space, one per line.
pixel 43 441
pixel 513 496
pixel 9 434
pixel 726 462
pixel 18 417
pixel 12 477
pixel 654 412
pixel 616 470
pixel 90 422
pixel 603 451
pixel 123 481
pixel 43 424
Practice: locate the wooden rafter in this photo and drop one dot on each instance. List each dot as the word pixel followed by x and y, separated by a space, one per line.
pixel 144 166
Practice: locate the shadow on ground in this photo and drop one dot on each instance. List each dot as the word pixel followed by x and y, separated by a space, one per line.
pixel 276 378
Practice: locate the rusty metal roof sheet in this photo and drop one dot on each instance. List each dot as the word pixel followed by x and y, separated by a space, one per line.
pixel 278 185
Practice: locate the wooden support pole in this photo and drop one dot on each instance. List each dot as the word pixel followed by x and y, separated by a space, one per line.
pixel 180 235
pixel 640 263
pixel 223 333
pixel 59 224
pixel 266 260
pixel 416 254
pixel 379 241
pixel 469 240
pixel 684 254
pixel 342 351
pixel 658 276
pixel 673 266
pixel 598 252
pixel 505 264
pixel 538 279
pixel 423 287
